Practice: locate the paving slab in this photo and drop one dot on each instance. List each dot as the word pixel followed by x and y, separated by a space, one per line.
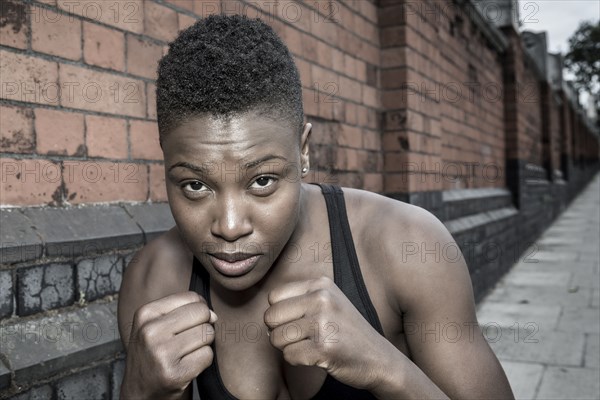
pixel 592 351
pixel 543 346
pixel 541 295
pixel 569 383
pixel 520 278
pixel 507 314
pixel 579 320
pixel 523 377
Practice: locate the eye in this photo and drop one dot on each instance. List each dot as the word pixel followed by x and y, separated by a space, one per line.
pixel 194 187
pixel 263 182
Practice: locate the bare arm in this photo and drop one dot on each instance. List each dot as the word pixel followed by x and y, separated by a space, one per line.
pixel 434 294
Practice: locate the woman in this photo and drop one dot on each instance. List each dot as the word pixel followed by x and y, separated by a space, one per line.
pixel 270 288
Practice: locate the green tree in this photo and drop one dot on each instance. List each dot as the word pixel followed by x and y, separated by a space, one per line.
pixel 583 58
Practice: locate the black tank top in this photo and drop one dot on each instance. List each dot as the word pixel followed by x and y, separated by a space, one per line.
pixel 347 277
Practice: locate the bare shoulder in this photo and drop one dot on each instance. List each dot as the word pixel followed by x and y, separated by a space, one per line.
pixel 161 268
pixel 412 248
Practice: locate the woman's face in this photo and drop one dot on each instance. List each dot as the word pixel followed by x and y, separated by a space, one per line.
pixel 234 189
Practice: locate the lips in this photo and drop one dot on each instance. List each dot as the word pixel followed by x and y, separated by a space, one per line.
pixel 233 264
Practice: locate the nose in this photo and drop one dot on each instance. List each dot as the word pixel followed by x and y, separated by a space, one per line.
pixel 231 220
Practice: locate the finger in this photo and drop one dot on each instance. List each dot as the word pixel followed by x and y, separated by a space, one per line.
pixel 185 317
pixel 304 352
pixel 286 310
pixel 165 305
pixel 299 288
pixel 191 340
pixel 195 362
pixel 293 332
pixel 288 290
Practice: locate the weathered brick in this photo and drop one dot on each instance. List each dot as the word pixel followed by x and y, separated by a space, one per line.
pixel 99 182
pixel 16 129
pixel 100 91
pixel 56 34
pixel 38 393
pixel 116 378
pixel 184 21
pixel 99 277
pixel 28 79
pixel 126 15
pixel 13 27
pixel 143 136
pixel 44 287
pixel 29 181
pixel 103 47
pixel 158 190
pixel 160 21
pixel 90 384
pixel 151 96
pixel 106 137
pixel 6 294
pixel 185 4
pixel 59 132
pixel 204 8
pixel 142 57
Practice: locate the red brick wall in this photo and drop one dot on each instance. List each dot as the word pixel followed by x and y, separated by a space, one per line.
pixel 404 96
pixel 442 90
pixel 523 98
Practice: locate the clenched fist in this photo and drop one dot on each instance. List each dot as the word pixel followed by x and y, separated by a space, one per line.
pixel 168 347
pixel 314 324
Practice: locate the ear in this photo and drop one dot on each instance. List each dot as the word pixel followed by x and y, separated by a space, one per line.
pixel 304 139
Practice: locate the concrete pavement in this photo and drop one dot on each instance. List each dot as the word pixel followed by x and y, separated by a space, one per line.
pixel 542 320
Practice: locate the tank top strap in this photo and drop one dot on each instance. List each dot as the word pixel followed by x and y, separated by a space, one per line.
pixel 346 269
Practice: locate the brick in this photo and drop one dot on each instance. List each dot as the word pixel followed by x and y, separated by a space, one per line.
pixel 370 96
pixel 44 288
pixel 14 27
pixel 304 71
pixel 184 21
pixel 160 21
pixel 184 4
pixel 350 89
pixel 28 79
pixel 101 92
pixel 16 129
pixel 143 136
pixel 100 182
pixel 38 393
pixel 204 8
pixel 349 136
pixel 158 189
pixel 373 182
pixel 90 384
pixel 103 47
pixel 99 277
pixel 59 132
pixel 143 57
pixel 56 34
pixel 6 294
pixel 29 182
pixel 106 137
pixel 151 95
pixel 126 15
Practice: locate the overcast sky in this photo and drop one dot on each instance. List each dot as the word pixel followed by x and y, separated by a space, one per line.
pixel 559 18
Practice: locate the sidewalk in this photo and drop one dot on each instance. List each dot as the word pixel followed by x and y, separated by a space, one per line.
pixel 542 320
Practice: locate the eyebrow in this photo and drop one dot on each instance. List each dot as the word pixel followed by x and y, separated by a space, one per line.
pixel 204 170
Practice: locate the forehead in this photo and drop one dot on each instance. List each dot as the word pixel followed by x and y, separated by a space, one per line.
pixel 239 136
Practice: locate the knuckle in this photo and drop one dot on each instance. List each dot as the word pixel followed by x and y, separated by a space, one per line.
pixel 142 315
pixel 323 282
pixel 323 297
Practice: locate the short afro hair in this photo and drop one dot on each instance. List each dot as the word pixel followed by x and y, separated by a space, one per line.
pixel 225 65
